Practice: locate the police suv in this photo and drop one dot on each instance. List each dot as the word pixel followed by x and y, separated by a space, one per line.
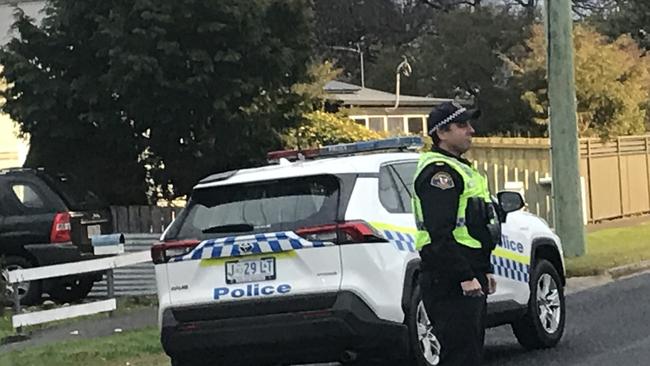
pixel 312 259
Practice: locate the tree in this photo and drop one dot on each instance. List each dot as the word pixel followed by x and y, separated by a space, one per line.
pixel 626 17
pixel 612 82
pixel 466 56
pixel 322 128
pixel 373 25
pixel 164 90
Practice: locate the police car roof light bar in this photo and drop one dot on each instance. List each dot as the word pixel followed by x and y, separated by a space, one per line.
pixel 395 143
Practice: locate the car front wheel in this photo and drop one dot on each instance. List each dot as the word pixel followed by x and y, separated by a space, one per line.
pixel 424 345
pixel 543 324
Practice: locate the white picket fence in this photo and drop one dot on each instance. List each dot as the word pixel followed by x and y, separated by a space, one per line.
pixel 109 264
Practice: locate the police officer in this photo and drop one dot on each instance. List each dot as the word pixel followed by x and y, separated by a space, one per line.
pixel 457 230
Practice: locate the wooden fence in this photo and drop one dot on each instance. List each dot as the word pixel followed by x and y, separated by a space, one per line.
pixel 143 219
pixel 616 173
pixel 536 190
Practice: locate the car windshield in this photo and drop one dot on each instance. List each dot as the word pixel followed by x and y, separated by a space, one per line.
pixel 266 206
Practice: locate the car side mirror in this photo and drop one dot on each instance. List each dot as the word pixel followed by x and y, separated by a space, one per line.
pixel 510 201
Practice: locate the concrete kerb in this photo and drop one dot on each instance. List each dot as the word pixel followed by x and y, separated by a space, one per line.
pixel 575 284
pixel 629 269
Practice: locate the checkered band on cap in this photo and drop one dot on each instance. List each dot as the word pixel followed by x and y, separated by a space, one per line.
pixel 449 119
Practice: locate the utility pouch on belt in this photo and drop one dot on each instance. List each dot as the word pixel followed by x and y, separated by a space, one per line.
pixel 483 220
pixel 493 225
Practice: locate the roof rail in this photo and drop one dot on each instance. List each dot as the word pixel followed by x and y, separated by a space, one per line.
pixel 403 143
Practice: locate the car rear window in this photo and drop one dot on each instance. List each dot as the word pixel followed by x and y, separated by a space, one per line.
pixel 75 195
pixel 265 206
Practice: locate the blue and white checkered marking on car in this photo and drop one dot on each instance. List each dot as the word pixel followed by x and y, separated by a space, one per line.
pixel 403 241
pixel 237 246
pixel 510 269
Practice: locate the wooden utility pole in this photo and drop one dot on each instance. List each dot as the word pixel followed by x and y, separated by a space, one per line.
pixel 567 202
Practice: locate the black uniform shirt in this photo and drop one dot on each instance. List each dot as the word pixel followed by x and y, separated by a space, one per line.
pixel 439 187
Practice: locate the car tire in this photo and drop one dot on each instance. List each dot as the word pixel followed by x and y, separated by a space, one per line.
pixel 543 324
pixel 424 346
pixel 175 361
pixel 71 289
pixel 30 292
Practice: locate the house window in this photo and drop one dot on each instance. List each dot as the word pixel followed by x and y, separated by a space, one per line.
pixel 360 121
pixel 376 123
pixel 415 125
pixel 395 125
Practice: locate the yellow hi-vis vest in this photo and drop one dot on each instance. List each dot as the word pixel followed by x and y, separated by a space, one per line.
pixel 475 186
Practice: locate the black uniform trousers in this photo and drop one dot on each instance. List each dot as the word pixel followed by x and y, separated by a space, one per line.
pixel 458 320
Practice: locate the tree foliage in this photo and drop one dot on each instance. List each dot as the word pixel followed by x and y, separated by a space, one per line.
pixel 466 56
pixel 119 92
pixel 612 82
pixel 630 17
pixel 322 128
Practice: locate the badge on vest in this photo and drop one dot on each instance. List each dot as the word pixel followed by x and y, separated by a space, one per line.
pixel 442 180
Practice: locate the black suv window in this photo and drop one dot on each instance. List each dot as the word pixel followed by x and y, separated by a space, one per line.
pixel 76 196
pixel 266 206
pixel 396 186
pixel 27 196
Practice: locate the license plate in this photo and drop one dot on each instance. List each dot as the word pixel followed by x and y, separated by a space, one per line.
pixel 94 230
pixel 250 270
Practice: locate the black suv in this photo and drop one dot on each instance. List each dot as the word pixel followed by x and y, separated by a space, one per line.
pixel 48 219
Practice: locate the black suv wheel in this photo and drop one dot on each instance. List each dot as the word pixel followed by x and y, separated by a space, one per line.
pixel 29 292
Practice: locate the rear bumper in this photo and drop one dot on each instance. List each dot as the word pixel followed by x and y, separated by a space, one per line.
pixel 50 254
pixel 291 329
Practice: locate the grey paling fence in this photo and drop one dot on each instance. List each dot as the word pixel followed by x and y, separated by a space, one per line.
pixel 143 219
pixel 136 280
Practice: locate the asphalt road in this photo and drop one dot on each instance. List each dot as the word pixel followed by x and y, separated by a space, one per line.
pixel 607 325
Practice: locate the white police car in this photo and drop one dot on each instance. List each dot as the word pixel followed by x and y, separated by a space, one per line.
pixel 314 261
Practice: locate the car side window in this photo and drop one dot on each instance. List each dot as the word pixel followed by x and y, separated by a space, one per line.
pixel 389 195
pixel 405 173
pixel 28 197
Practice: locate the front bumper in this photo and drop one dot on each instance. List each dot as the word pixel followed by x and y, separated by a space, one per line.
pixel 288 329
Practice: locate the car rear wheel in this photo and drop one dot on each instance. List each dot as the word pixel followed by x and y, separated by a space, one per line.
pixel 424 345
pixel 543 324
pixel 29 292
pixel 71 289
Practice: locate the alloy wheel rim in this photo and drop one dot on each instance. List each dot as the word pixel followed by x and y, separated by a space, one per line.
pixel 548 303
pixel 427 340
pixel 23 287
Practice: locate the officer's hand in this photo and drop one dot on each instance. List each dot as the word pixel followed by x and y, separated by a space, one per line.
pixel 472 288
pixel 492 283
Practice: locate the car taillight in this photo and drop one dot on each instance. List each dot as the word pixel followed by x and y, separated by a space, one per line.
pixel 342 233
pixel 61 228
pixel 162 252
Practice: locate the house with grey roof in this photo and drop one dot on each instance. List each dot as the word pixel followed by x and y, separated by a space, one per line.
pixel 382 111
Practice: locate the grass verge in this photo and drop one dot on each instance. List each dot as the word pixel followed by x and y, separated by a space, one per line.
pixel 133 348
pixel 125 305
pixel 610 248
